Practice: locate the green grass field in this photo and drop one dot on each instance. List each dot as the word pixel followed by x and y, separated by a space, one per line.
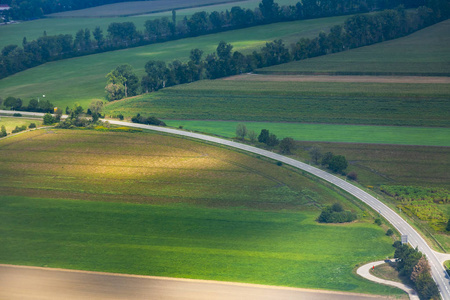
pixel 422 53
pixel 306 102
pixel 276 248
pixel 423 136
pixel 83 79
pixel 173 207
pixel 10 122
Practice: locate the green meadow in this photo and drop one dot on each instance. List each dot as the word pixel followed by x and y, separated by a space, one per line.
pixel 168 206
pixel 229 244
pixel 424 52
pixel 396 135
pixel 83 79
pixel 305 102
pixel 10 123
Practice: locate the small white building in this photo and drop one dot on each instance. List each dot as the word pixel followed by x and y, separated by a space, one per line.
pixel 4 7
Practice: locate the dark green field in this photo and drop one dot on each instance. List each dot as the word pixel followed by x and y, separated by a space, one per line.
pixel 306 102
pixel 172 207
pixel 422 53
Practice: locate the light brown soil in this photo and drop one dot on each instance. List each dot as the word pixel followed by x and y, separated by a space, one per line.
pixel 339 78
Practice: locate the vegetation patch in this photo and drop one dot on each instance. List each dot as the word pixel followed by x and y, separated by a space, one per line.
pixel 336 214
pixel 11 123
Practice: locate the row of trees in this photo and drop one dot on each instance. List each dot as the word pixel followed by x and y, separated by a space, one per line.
pixel 412 264
pixel 31 9
pixel 13 103
pixel 356 32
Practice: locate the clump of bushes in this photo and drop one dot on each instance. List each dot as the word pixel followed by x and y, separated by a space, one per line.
pixel 147 121
pixel 3 131
pixel 32 125
pixel 19 129
pixel 336 214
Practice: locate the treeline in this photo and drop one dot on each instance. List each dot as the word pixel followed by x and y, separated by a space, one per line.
pixel 32 9
pixel 412 264
pixel 13 103
pixel 357 31
pixel 14 58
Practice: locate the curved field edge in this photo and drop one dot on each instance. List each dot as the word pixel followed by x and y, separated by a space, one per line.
pixel 395 135
pixel 275 242
pixel 424 52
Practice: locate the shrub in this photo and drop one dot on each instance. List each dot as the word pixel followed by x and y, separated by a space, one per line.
pixel 352 176
pixel 19 129
pixel 279 163
pixel 48 119
pixel 378 222
pixel 147 121
pixel 120 117
pixel 336 214
pixel 17 115
pixel 32 125
pixel 389 232
pixel 3 131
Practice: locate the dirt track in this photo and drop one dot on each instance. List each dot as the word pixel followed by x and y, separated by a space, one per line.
pixel 25 283
pixel 350 78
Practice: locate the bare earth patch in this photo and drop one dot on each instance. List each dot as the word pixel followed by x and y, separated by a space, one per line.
pixel 340 78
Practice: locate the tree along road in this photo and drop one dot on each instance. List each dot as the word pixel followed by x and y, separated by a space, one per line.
pixel 414 238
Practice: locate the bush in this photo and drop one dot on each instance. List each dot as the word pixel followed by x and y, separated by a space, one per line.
pixel 3 131
pixel 120 117
pixel 352 176
pixel 336 214
pixel 389 232
pixel 279 163
pixel 48 119
pixel 147 121
pixel 378 222
pixel 32 125
pixel 17 115
pixel 19 129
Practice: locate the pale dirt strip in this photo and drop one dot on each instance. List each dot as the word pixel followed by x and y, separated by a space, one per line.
pixel 364 271
pixel 24 283
pixel 340 78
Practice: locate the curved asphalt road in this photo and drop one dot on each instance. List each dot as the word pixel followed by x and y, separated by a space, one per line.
pixel 414 238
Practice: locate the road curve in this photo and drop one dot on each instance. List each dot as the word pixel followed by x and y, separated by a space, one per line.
pixel 414 238
pixel 31 283
pixel 364 271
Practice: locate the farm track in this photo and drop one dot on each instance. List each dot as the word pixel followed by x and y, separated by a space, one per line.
pixel 340 78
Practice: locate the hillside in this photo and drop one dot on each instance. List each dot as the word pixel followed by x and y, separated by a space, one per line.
pixel 422 53
pixel 83 79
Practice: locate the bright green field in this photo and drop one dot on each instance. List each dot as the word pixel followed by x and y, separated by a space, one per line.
pixel 169 206
pixel 275 248
pixel 83 79
pixel 11 123
pixel 328 132
pixel 422 53
pixel 306 102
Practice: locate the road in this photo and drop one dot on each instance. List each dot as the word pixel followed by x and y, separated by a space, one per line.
pixel 414 238
pixel 364 271
pixel 31 283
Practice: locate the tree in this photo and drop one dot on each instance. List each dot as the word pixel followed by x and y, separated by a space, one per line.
pixel 48 119
pixel 448 225
pixel 13 103
pixel 326 159
pixel 286 145
pixel 316 153
pixel 122 82
pixel 263 136
pixel 269 10
pixel 252 135
pixel 389 232
pixel 241 131
pixel 338 164
pixel 272 140
pixel 3 131
pixel 96 108
pixel 98 36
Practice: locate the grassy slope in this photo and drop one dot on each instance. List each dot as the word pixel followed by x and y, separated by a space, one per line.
pixel 11 123
pixel 396 135
pixel 276 248
pixel 83 79
pixel 342 103
pixel 236 233
pixel 424 52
